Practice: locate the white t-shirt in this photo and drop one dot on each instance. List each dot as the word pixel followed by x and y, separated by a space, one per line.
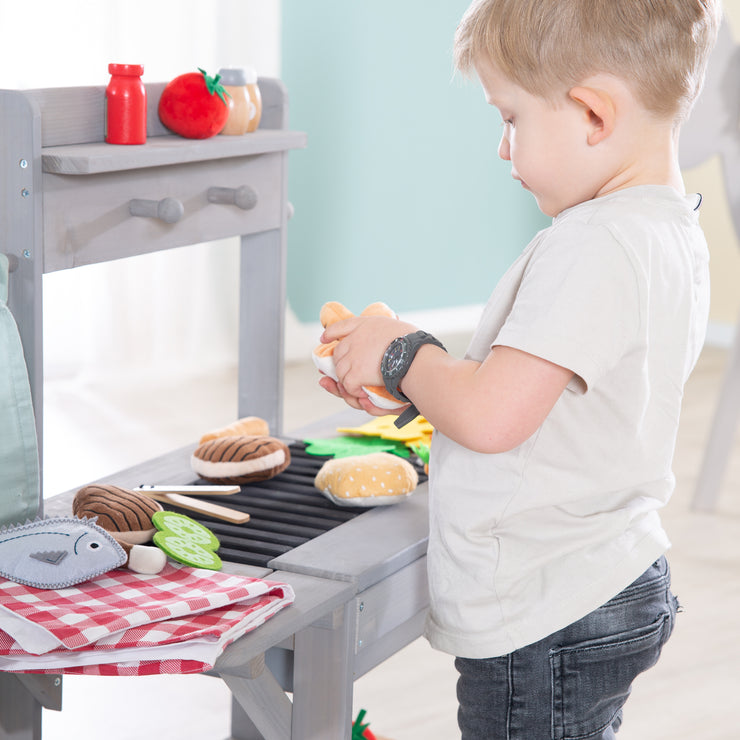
pixel 523 543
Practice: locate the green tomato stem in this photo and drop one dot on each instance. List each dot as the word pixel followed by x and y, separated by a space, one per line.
pixel 214 86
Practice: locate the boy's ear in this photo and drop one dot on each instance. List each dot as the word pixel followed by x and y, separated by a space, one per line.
pixel 600 110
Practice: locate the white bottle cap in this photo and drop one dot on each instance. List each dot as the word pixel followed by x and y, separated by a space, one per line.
pixel 233 76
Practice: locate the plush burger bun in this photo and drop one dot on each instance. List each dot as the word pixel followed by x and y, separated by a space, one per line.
pixel 240 459
pixel 361 476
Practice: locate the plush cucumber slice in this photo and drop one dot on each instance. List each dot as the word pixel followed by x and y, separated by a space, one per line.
pixel 186 541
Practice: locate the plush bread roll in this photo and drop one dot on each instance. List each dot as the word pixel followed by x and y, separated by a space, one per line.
pixel 240 459
pixel 379 309
pixel 127 515
pixel 323 354
pixel 250 426
pixel 333 311
pixel 359 476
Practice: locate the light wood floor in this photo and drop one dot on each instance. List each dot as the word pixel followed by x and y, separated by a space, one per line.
pixel 691 695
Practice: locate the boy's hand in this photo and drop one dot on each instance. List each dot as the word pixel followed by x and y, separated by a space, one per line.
pixel 357 357
pixel 361 402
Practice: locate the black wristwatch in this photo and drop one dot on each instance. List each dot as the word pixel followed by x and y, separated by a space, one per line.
pixel 396 362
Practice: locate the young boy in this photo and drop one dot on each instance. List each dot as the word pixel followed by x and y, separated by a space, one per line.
pixel 555 435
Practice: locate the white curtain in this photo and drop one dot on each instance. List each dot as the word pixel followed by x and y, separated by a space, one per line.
pixel 150 321
pixel 179 304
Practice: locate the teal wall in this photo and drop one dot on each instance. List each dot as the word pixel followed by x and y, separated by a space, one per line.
pixel 400 195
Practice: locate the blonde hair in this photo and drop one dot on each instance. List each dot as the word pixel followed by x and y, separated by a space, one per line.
pixel 658 47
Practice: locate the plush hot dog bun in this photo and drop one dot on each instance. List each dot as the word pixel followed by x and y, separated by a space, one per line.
pixel 333 311
pixel 242 459
pixel 251 426
pixel 323 355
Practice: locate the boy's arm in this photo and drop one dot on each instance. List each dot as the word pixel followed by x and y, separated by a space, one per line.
pixel 493 406
pixel 488 407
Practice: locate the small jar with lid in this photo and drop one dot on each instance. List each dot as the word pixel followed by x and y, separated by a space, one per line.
pixel 125 105
pixel 246 101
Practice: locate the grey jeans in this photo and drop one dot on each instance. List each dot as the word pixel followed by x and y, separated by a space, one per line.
pixel 573 684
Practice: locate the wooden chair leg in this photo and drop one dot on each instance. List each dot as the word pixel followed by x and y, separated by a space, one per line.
pixel 722 434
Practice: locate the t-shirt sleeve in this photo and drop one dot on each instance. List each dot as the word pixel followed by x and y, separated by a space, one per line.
pixel 578 304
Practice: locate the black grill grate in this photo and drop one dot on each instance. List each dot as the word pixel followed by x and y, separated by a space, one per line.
pixel 285 512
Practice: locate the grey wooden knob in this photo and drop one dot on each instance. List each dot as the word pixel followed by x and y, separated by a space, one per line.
pixel 244 197
pixel 169 210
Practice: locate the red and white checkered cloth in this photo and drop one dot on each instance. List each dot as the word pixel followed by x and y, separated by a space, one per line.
pixel 125 623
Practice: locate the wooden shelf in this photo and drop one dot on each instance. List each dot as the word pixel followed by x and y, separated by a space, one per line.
pixel 99 157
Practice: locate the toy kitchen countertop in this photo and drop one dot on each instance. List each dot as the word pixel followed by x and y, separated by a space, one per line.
pixel 361 594
pixel 67 200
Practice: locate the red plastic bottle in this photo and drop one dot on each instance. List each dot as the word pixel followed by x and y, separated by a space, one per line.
pixel 125 105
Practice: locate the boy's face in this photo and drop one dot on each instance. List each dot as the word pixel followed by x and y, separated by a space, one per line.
pixel 545 144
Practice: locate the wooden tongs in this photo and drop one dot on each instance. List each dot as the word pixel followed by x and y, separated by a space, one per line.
pixel 183 497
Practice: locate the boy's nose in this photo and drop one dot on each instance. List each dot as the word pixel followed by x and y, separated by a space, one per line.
pixel 503 148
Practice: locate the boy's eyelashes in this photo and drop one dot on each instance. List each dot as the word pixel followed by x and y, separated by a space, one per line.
pixel 507 119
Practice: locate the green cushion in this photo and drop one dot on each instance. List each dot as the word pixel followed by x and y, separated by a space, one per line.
pixel 19 459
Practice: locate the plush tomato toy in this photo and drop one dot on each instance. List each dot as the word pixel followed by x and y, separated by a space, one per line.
pixel 194 105
pixel 361 731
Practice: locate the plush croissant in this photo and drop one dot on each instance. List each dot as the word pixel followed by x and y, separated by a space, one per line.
pixel 323 355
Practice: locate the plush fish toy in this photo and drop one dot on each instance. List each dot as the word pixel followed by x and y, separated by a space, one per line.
pixel 57 552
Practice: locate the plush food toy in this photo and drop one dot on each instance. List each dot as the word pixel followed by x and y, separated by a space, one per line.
pixel 418 430
pixel 127 516
pixel 360 730
pixel 367 480
pixel 240 459
pixel 186 540
pixel 323 354
pixel 194 105
pixel 57 552
pixel 249 426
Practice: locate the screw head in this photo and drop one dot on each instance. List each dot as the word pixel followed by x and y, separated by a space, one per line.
pixel 23 164
pixel 25 192
pixel 27 254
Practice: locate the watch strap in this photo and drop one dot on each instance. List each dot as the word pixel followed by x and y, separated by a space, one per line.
pixel 414 342
pixel 406 416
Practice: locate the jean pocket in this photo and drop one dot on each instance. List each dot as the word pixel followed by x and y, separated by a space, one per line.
pixel 592 680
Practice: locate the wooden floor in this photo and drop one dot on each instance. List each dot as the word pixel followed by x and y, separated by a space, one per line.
pixel 691 695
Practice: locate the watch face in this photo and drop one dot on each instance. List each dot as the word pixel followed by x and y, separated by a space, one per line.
pixel 394 356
